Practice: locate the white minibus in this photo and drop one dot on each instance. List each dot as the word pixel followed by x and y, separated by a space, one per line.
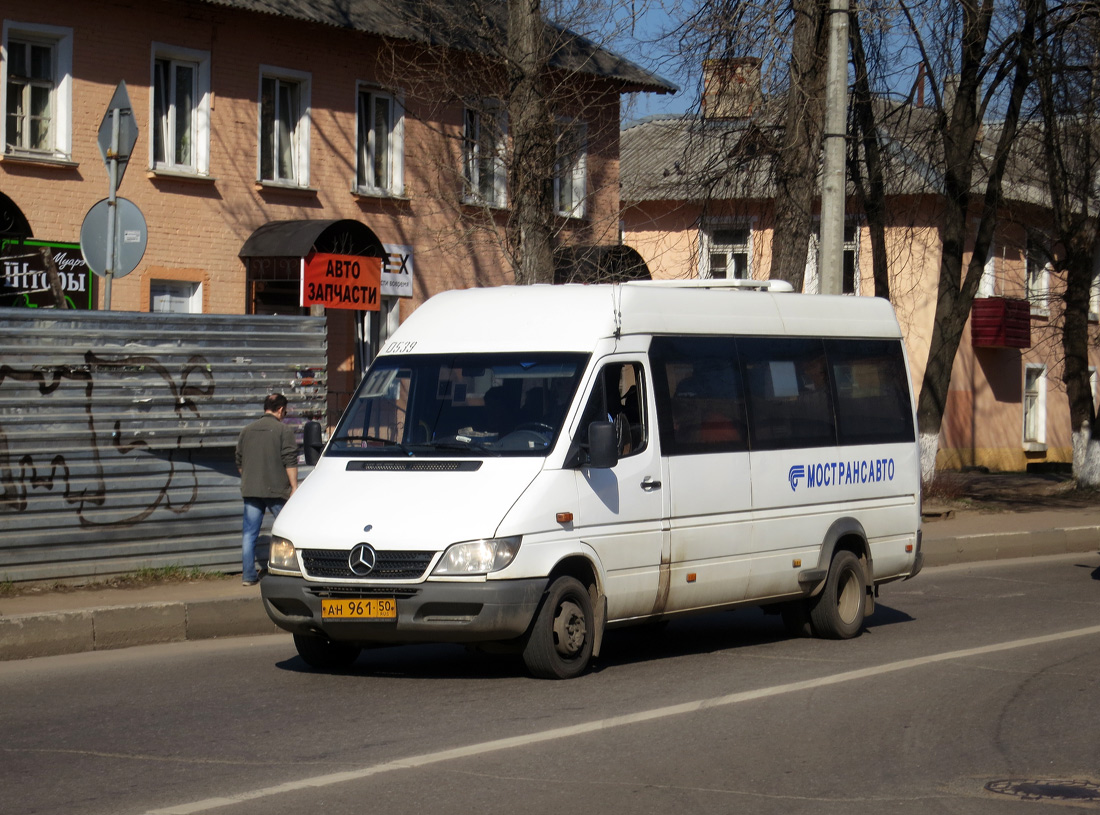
pixel 527 467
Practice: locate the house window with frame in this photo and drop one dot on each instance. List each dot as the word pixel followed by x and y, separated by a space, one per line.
pixel 37 77
pixel 181 117
pixel 175 297
pixel 1034 407
pixel 726 252
pixel 378 142
pixel 284 128
pixel 483 150
pixel 1038 271
pixel 849 282
pixel 570 169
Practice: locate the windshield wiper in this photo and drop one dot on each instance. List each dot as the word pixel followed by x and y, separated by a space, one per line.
pixel 376 440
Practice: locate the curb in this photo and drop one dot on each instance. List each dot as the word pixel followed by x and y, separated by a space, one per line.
pixel 54 633
pixel 98 629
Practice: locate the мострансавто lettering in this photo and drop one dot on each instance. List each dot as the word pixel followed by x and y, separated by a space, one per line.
pixel 842 473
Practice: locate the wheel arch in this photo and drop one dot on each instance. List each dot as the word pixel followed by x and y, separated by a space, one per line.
pixel 582 568
pixel 843 534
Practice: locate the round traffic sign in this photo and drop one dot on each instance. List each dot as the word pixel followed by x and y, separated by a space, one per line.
pixel 130 237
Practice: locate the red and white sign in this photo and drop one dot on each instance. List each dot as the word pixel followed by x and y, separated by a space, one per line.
pixel 341 281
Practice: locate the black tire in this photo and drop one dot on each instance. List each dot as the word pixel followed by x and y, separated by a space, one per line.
pixel 559 644
pixel 837 613
pixel 325 655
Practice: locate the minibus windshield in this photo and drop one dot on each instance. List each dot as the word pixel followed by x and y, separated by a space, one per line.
pixel 459 405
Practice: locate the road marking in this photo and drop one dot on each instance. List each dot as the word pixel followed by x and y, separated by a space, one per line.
pixel 585 728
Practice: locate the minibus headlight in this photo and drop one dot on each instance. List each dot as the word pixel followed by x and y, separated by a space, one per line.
pixel 478 557
pixel 282 557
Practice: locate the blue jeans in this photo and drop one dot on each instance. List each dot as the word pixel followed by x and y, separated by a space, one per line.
pixel 253 520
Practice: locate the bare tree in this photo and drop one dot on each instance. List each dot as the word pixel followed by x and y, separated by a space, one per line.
pixel 989 72
pixel 1067 65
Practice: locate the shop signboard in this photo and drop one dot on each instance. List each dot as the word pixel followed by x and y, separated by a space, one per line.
pixel 397 271
pixel 341 281
pixel 23 280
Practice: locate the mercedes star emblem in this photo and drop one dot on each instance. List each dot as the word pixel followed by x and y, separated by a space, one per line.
pixel 362 559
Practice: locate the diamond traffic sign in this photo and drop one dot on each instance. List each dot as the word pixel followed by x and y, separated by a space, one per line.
pixel 121 110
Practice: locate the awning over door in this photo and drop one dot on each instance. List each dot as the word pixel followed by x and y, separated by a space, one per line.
pixel 299 238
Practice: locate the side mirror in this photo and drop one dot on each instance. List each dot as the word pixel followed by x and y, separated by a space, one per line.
pixel 312 444
pixel 603 445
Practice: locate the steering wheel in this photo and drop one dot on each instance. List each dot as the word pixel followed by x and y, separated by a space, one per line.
pixel 537 427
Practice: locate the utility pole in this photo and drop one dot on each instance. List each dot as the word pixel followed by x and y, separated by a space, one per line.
pixel 833 177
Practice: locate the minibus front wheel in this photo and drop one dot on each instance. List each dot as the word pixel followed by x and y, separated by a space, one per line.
pixel 837 612
pixel 559 644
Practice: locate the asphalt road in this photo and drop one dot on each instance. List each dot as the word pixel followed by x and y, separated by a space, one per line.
pixel 968 678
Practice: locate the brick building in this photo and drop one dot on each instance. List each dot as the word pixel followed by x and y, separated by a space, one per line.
pixel 267 130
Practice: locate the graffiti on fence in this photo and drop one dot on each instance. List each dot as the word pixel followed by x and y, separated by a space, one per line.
pixel 25 474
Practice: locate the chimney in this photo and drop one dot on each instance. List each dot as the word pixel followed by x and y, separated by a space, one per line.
pixel 731 87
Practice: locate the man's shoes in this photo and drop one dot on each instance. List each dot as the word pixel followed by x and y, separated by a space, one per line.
pixel 249 582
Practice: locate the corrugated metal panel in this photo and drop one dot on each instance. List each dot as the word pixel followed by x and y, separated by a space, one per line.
pixel 117 433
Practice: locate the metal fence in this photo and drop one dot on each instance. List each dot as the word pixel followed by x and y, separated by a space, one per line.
pixel 117 433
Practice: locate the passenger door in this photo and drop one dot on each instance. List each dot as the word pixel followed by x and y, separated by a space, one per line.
pixel 701 409
pixel 622 510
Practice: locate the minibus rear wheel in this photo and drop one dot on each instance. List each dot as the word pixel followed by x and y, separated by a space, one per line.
pixel 559 644
pixel 324 654
pixel 837 612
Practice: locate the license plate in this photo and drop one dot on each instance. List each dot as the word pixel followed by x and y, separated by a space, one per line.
pixel 375 608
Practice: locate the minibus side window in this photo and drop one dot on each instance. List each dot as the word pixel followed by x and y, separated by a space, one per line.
pixel 700 400
pixel 619 396
pixel 873 403
pixel 790 399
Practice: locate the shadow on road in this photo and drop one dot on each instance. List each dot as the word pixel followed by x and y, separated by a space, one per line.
pixel 722 631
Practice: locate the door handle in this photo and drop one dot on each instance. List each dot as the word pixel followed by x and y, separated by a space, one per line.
pixel 648 484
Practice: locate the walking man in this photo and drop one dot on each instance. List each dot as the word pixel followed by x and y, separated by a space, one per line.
pixel 267 459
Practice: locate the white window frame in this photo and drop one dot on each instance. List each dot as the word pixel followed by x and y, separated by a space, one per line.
pixel 60 39
pixel 811 279
pixel 200 112
pixel 708 245
pixel 1034 408
pixel 365 182
pixel 1037 277
pixel 476 141
pixel 300 146
pixel 987 285
pixel 1094 289
pixel 175 295
pixel 572 168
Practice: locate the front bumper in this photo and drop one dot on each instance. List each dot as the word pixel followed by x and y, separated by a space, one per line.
pixel 492 611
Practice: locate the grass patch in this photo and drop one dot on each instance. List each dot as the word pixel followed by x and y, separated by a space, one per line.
pixel 947 487
pixel 141 578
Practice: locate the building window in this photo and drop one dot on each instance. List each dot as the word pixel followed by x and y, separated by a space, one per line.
pixel 37 70
pixel 1035 406
pixel 181 110
pixel 850 283
pixel 726 252
pixel 570 169
pixel 1038 271
pixel 284 128
pixel 175 297
pixel 379 139
pixel 483 149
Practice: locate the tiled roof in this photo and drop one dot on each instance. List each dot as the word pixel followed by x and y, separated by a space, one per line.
pixel 690 158
pixel 455 24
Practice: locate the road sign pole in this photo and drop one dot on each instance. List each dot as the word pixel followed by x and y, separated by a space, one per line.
pixel 112 209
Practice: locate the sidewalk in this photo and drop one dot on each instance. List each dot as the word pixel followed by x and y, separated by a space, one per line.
pixel 67 622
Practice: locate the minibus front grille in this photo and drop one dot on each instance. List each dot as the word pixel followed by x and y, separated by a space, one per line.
pixel 414 466
pixel 360 593
pixel 333 564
